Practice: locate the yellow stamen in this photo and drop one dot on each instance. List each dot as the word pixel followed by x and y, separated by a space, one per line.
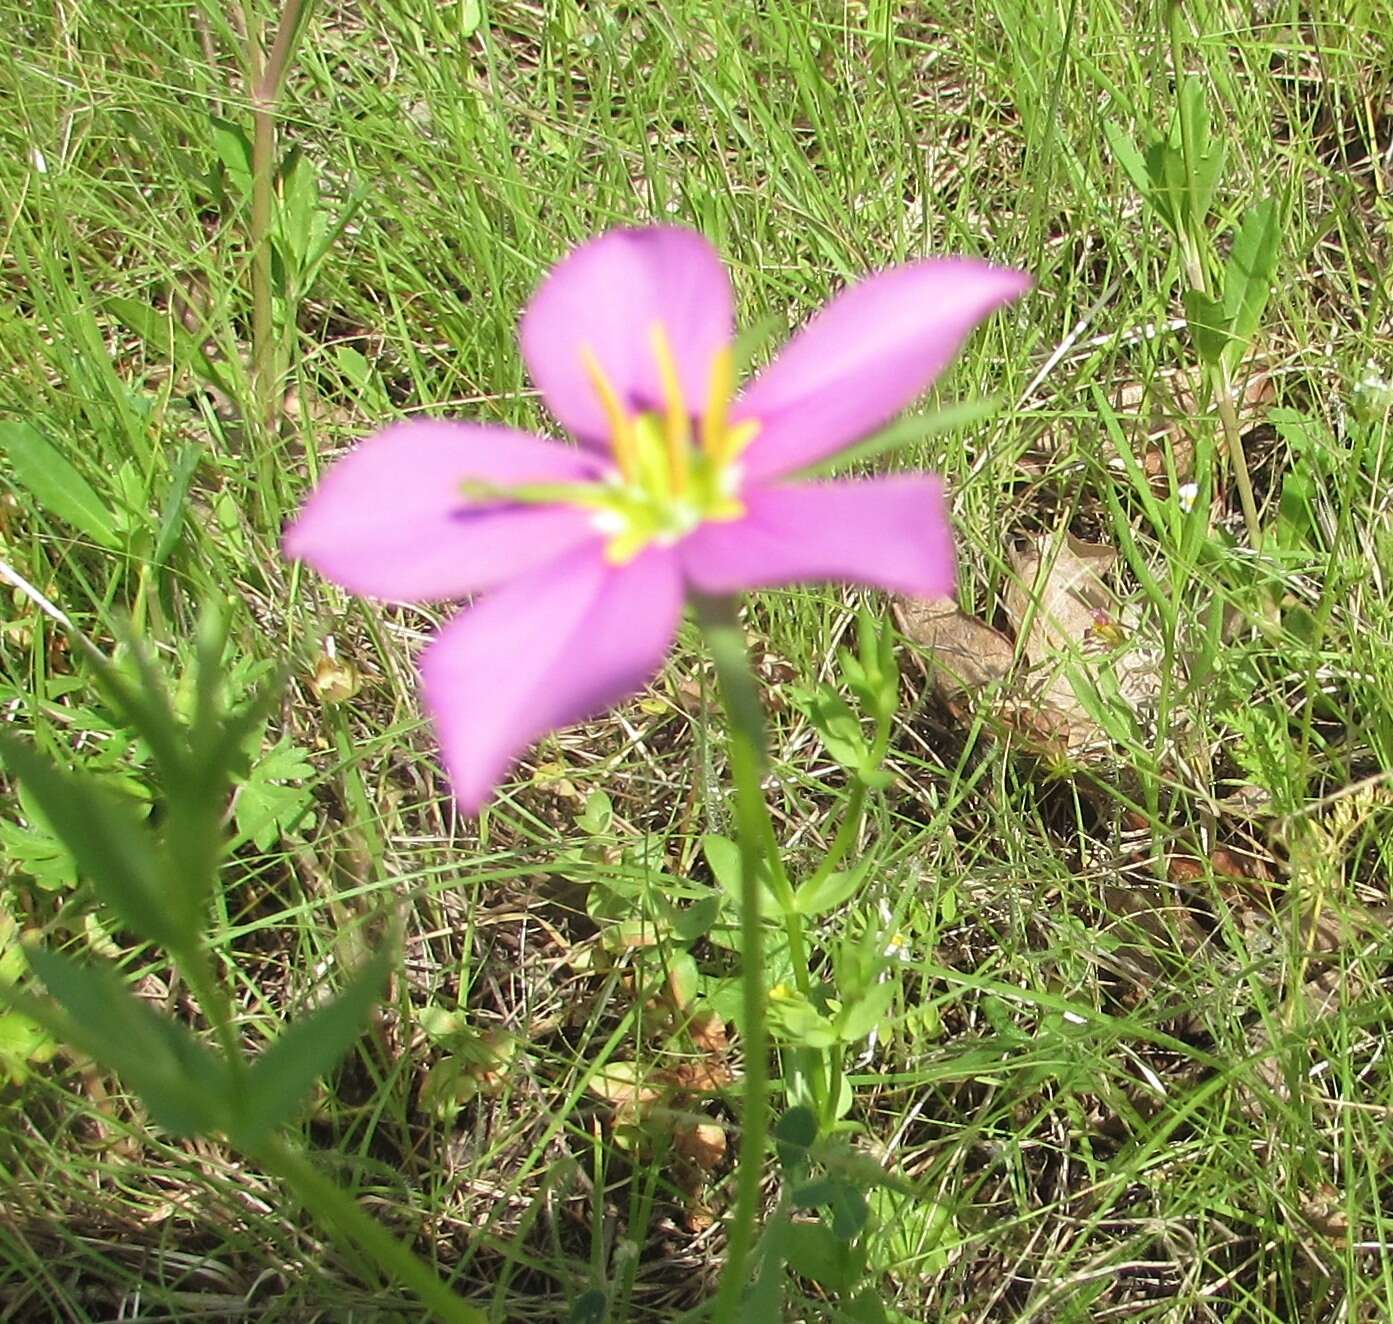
pixel 621 426
pixel 675 421
pixel 713 421
pixel 738 437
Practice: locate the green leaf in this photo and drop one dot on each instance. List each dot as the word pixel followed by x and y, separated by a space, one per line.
pixel 41 469
pixel 111 848
pixel 169 340
pixel 1202 177
pixel 816 1252
pixel 695 921
pixel 866 1013
pixel 911 1233
pixel 281 1077
pixel 764 1301
pixel 1165 167
pixel 1129 157
pixel 833 720
pixel 266 809
pixel 723 856
pixel 849 1211
pixel 234 150
pixel 822 894
pixel 172 510
pixel 795 1133
pixel 794 1020
pixel 592 1305
pixel 184 1086
pixel 1250 272
pixel 904 433
pixel 1208 325
pixel 814 1194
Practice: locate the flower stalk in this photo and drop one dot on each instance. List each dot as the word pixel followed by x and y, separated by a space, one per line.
pixel 720 625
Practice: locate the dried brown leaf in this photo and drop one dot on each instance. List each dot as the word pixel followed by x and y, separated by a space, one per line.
pixel 619 1084
pixel 702 1144
pixel 708 1032
pixel 966 654
pixel 1068 616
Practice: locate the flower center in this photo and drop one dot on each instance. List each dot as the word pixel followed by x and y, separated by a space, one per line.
pixel 668 480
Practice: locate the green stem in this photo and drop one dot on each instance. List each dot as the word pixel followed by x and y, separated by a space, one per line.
pixel 217 1006
pixel 740 697
pixel 266 75
pixel 846 834
pixel 339 1210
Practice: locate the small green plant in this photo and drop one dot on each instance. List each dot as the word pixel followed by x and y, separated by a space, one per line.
pixel 155 878
pixel 1177 173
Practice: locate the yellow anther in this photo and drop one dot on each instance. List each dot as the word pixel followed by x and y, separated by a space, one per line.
pixel 713 421
pixel 675 420
pixel 621 425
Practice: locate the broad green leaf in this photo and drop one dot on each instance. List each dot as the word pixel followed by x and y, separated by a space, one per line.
pixel 184 1086
pixel 795 1133
pixel 814 1194
pixel 794 1020
pixel 234 150
pixel 1250 272
pixel 822 894
pixel 763 1303
pixel 1208 325
pixel 913 1234
pixel 816 1252
pixel 110 846
pixel 303 1052
pixel 1165 167
pixel 695 921
pixel 590 1307
pixel 723 855
pixel 866 1013
pixel 683 979
pixel 41 469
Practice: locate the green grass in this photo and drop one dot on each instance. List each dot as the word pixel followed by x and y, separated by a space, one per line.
pixel 1115 1085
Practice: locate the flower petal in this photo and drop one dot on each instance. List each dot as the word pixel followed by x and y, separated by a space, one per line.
pixel 889 532
pixel 548 650
pixel 605 299
pixel 864 357
pixel 390 519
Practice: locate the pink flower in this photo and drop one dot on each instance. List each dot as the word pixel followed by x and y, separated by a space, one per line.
pixel 584 554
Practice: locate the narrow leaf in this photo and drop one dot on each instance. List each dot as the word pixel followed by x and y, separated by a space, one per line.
pixel 1204 172
pixel 281 1077
pixel 1129 157
pixel 172 512
pixel 167 339
pixel 1250 272
pixel 41 469
pixel 181 1082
